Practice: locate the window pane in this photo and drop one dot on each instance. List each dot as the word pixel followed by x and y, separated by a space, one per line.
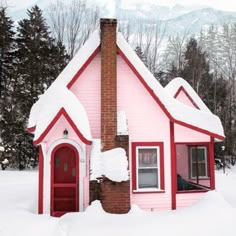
pixel 147 157
pixel 201 169
pixel 148 178
pixel 194 155
pixel 56 162
pixel 194 170
pixel 201 155
pixel 65 167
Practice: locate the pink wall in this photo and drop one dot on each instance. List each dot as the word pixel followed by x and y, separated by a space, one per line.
pixel 184 99
pixel 57 133
pixel 147 123
pixel 186 135
pixel 88 89
pixel 188 199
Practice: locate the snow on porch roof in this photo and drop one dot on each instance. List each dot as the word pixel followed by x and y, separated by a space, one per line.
pixel 175 85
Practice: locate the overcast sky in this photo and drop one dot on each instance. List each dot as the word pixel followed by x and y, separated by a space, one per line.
pixel 228 5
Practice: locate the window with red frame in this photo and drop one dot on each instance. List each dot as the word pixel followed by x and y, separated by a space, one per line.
pixel 148 166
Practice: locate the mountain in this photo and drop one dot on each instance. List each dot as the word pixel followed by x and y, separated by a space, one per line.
pixel 192 22
pixel 176 19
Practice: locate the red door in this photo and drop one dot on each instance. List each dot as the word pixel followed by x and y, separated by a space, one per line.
pixel 65 179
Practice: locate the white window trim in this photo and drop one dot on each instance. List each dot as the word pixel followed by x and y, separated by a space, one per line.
pixel 205 157
pixel 158 168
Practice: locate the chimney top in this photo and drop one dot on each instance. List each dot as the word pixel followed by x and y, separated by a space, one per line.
pixel 105 21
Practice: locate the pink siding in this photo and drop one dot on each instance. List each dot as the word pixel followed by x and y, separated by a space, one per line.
pixel 57 133
pixel 152 201
pixel 88 90
pixel 147 123
pixel 188 199
pixel 182 97
pixel 183 135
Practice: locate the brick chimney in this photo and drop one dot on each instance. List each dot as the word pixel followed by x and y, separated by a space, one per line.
pixel 108 83
pixel 114 196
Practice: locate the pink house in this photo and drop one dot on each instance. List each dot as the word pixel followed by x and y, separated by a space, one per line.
pixel 104 99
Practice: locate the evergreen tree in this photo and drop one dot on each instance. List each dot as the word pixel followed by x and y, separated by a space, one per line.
pixel 39 61
pixel 6 51
pixel 196 72
pixel 7 72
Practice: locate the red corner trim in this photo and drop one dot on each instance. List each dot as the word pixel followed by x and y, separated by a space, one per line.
pixel 97 50
pixel 31 129
pixel 173 166
pixel 40 181
pixel 211 162
pixel 182 89
pixel 160 103
pixel 134 175
pixel 62 112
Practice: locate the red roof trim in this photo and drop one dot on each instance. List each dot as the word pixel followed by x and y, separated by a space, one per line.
pixel 160 103
pixel 72 124
pixel 91 57
pixel 182 89
pixel 31 129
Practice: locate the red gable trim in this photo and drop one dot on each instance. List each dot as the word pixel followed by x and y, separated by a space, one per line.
pixel 62 112
pixel 160 103
pixel 182 89
pixel 80 71
pixel 31 129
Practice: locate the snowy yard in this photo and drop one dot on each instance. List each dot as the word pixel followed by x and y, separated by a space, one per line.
pixel 214 215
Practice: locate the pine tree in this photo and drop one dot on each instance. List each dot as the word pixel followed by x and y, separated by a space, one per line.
pixel 6 51
pixel 7 73
pixel 39 61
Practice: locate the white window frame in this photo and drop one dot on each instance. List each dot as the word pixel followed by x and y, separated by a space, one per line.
pixel 158 168
pixel 191 162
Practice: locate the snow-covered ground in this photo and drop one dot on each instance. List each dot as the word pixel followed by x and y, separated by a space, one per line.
pixel 214 215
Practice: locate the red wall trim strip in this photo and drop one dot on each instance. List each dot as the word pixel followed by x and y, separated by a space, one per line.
pixel 80 71
pixel 62 112
pixel 40 181
pixel 211 163
pixel 173 166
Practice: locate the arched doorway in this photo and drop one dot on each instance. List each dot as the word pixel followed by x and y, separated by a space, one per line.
pixel 64 180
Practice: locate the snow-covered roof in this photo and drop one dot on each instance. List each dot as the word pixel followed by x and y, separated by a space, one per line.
pixel 179 112
pixel 174 85
pixel 112 164
pixel 56 97
pixel 44 110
